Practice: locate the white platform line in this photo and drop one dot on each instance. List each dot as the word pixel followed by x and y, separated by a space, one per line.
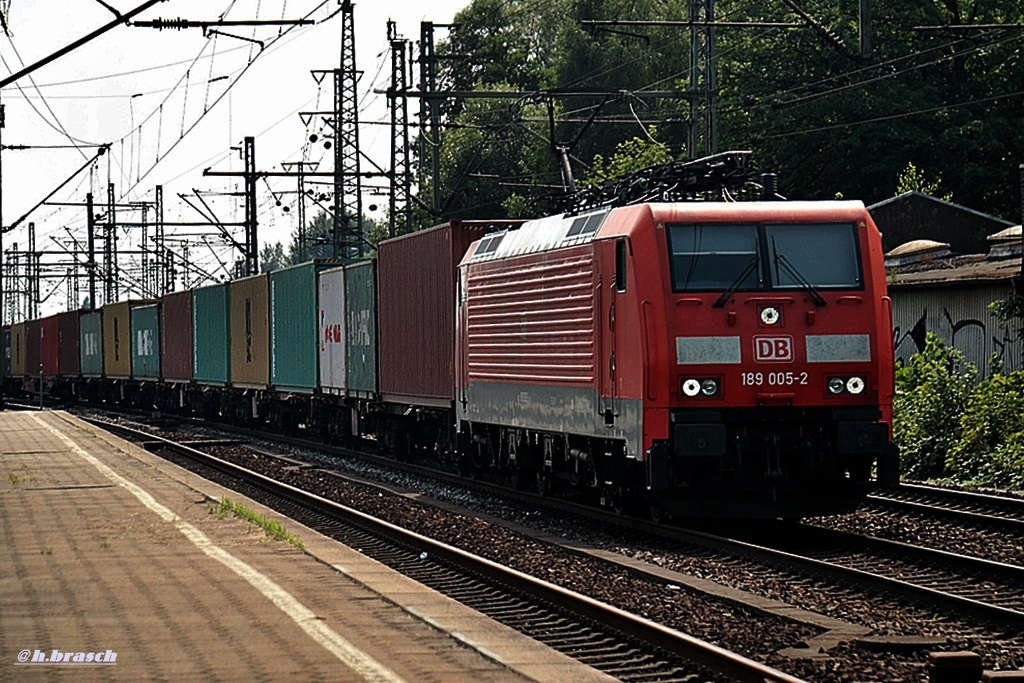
pixel 350 655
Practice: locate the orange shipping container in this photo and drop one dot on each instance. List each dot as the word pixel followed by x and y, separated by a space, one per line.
pixel 250 332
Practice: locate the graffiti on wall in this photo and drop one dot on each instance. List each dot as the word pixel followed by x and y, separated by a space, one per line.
pixel 979 341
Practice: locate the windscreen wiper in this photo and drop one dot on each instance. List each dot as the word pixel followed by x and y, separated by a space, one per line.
pixel 737 282
pixel 781 260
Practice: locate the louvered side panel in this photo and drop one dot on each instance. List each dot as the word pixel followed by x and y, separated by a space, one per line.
pixel 532 320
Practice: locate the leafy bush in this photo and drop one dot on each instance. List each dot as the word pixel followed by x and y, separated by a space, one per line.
pixel 950 426
pixel 932 392
pixel 991 447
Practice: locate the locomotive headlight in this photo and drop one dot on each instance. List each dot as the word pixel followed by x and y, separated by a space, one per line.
pixel 769 315
pixel 836 385
pixel 691 387
pixel 855 385
pixel 709 387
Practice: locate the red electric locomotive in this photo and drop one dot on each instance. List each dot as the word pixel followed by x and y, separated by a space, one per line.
pixel 719 359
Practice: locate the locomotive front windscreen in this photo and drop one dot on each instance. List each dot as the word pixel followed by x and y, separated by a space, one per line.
pixel 708 257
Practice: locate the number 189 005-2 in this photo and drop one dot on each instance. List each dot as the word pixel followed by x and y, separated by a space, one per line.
pixel 775 379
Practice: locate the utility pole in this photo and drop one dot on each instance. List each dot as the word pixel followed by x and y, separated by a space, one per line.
pixel 303 237
pixel 399 220
pixel 703 83
pixel 252 245
pixel 110 249
pixel 90 264
pixel 348 197
pixel 32 274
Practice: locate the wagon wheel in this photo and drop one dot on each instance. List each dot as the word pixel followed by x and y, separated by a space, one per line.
pixel 543 481
pixel 659 515
pixel 615 498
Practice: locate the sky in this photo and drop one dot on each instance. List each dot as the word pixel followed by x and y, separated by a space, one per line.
pixel 172 103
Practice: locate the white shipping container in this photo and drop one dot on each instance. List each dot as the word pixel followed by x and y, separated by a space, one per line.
pixel 331 326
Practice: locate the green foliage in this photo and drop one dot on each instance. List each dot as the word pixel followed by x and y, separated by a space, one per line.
pixel 949 426
pixel 912 179
pixel 826 118
pixel 630 155
pixel 1010 312
pixel 272 257
pixel 991 446
pixel 932 392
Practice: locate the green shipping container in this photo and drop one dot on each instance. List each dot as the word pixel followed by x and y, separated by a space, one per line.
pixel 293 326
pixel 146 342
pixel 361 328
pixel 90 340
pixel 210 340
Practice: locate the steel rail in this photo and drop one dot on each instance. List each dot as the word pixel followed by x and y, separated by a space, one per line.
pixel 717 659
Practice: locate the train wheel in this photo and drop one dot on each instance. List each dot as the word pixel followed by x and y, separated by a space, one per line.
pixel 659 515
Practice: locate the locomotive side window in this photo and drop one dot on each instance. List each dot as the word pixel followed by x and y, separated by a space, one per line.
pixel 620 266
pixel 709 257
pixel 824 254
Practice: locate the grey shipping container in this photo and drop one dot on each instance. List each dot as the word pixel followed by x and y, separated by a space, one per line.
pixel 294 361
pixel 146 342
pixel 176 337
pixel 90 326
pixel 416 309
pixel 211 342
pixel 361 328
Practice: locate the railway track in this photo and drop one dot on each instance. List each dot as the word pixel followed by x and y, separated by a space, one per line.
pixel 1000 511
pixel 609 639
pixel 989 591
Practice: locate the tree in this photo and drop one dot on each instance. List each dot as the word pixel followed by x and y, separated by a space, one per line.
pixel 272 257
pixel 827 119
pixel 912 179
pixel 630 155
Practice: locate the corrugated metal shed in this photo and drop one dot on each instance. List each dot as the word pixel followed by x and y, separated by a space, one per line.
pixel 90 326
pixel 951 299
pixel 294 361
pixel 361 329
pixel 176 332
pixel 250 332
pixel 211 343
pixel 68 340
pixel 146 341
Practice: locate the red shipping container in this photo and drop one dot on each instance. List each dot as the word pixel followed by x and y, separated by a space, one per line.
pixel 416 295
pixel 33 352
pixel 49 346
pixel 176 342
pixel 70 360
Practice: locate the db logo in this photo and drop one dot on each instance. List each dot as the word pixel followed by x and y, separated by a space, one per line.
pixel 773 349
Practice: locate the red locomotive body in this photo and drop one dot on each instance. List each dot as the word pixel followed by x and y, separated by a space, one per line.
pixel 724 359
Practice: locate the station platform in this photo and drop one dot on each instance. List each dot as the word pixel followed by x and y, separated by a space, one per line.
pixel 112 566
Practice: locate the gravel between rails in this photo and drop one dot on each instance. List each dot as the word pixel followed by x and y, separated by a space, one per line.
pixel 748 633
